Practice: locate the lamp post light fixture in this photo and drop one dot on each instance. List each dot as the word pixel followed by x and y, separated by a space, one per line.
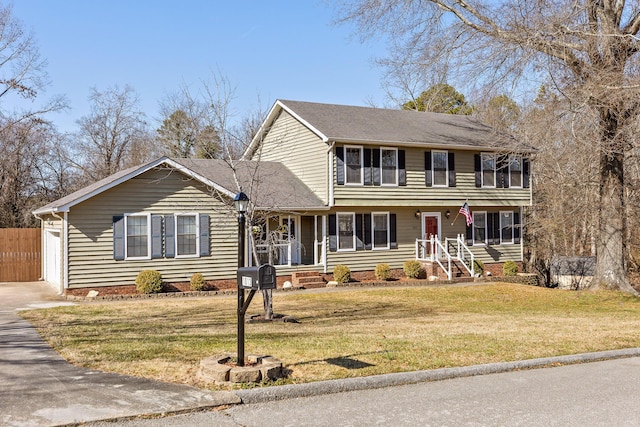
pixel 241 203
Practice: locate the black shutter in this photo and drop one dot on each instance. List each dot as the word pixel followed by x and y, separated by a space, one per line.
pixel 118 237
pixel 340 165
pixel 205 249
pixel 367 167
pixel 169 236
pixel 428 176
pixel 516 227
pixel 367 231
pixel 493 228
pixel 156 236
pixel 452 169
pixel 377 173
pixel 393 239
pixel 402 170
pixel 359 233
pixel 477 167
pixel 333 233
pixel 469 234
pixel 526 170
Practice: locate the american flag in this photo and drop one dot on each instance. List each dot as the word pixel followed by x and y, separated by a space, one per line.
pixel 464 210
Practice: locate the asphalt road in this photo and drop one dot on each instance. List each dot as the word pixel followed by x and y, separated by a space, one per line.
pixel 590 394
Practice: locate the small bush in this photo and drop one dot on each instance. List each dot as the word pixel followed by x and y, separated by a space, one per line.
pixel 510 268
pixel 341 273
pixel 197 282
pixel 149 282
pixel 413 269
pixel 383 271
pixel 478 267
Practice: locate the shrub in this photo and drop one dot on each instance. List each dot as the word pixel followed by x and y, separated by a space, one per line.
pixel 383 271
pixel 341 273
pixel 197 282
pixel 510 268
pixel 413 269
pixel 478 267
pixel 149 282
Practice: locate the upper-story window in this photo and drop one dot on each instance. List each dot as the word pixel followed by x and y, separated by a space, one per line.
pixel 353 165
pixel 389 166
pixel 515 171
pixel 440 170
pixel 488 164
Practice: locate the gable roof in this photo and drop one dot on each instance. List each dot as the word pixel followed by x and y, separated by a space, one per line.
pixel 351 124
pixel 269 185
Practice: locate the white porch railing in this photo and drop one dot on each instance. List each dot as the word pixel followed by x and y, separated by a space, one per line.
pixel 433 250
pixel 277 254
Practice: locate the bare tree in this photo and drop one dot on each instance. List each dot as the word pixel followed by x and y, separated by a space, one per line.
pixel 107 136
pixel 588 49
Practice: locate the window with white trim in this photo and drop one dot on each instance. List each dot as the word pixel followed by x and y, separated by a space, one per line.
pixel 488 163
pixel 439 160
pixel 389 166
pixel 506 227
pixel 380 230
pixel 137 236
pixel 187 242
pixel 353 165
pixel 346 231
pixel 515 171
pixel 479 228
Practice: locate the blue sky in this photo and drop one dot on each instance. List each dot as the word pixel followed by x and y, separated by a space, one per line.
pixel 286 49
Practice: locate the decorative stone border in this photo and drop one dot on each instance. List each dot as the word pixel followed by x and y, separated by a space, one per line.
pixel 260 368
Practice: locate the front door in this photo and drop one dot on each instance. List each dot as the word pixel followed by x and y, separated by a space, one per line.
pixel 430 226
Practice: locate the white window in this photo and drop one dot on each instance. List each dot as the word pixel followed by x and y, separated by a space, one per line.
pixel 488 170
pixel 389 166
pixel 187 241
pixel 506 227
pixel 479 228
pixel 380 230
pixel 346 231
pixel 353 165
pixel 515 171
pixel 439 160
pixel 137 236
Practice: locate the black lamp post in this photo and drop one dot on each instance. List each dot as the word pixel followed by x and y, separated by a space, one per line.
pixel 241 202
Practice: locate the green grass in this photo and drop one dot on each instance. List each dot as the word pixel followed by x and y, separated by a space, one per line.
pixel 344 333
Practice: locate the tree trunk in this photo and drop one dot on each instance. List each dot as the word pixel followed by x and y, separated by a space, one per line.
pixel 611 272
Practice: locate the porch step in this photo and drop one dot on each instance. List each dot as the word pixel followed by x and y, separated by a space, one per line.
pixel 457 270
pixel 307 280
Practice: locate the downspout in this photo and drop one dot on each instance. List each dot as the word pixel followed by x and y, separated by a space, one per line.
pixel 330 173
pixel 65 249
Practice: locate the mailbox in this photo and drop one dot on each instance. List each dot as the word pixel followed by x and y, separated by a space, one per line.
pixel 262 277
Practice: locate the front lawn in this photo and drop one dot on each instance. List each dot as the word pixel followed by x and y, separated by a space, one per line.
pixel 344 332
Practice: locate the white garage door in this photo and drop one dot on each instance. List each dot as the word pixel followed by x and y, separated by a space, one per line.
pixel 52 258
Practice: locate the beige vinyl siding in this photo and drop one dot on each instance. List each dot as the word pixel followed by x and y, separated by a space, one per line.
pixel 497 253
pixel 300 150
pixel 416 193
pixel 91 260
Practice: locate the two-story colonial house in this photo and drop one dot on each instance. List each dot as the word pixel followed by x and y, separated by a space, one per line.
pixel 328 185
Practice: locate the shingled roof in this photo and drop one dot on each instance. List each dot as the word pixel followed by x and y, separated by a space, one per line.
pixel 345 123
pixel 269 185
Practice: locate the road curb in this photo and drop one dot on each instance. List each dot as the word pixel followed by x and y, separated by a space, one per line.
pixel 267 394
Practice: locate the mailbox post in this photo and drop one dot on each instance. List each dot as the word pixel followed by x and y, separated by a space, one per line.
pixel 241 202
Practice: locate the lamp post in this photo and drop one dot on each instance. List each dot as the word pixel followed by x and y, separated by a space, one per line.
pixel 241 202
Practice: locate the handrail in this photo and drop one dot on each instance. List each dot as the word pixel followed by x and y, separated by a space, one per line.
pixel 462 249
pixel 439 245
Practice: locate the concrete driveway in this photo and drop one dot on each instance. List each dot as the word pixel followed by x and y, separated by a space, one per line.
pixel 39 388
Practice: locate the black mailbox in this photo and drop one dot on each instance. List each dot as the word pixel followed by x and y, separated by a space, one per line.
pixel 262 277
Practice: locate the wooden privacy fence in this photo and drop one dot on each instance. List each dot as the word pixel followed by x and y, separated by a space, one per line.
pixel 20 254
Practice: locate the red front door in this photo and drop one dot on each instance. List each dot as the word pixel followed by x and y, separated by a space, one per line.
pixel 430 226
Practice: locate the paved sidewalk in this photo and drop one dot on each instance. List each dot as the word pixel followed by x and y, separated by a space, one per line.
pixel 39 388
